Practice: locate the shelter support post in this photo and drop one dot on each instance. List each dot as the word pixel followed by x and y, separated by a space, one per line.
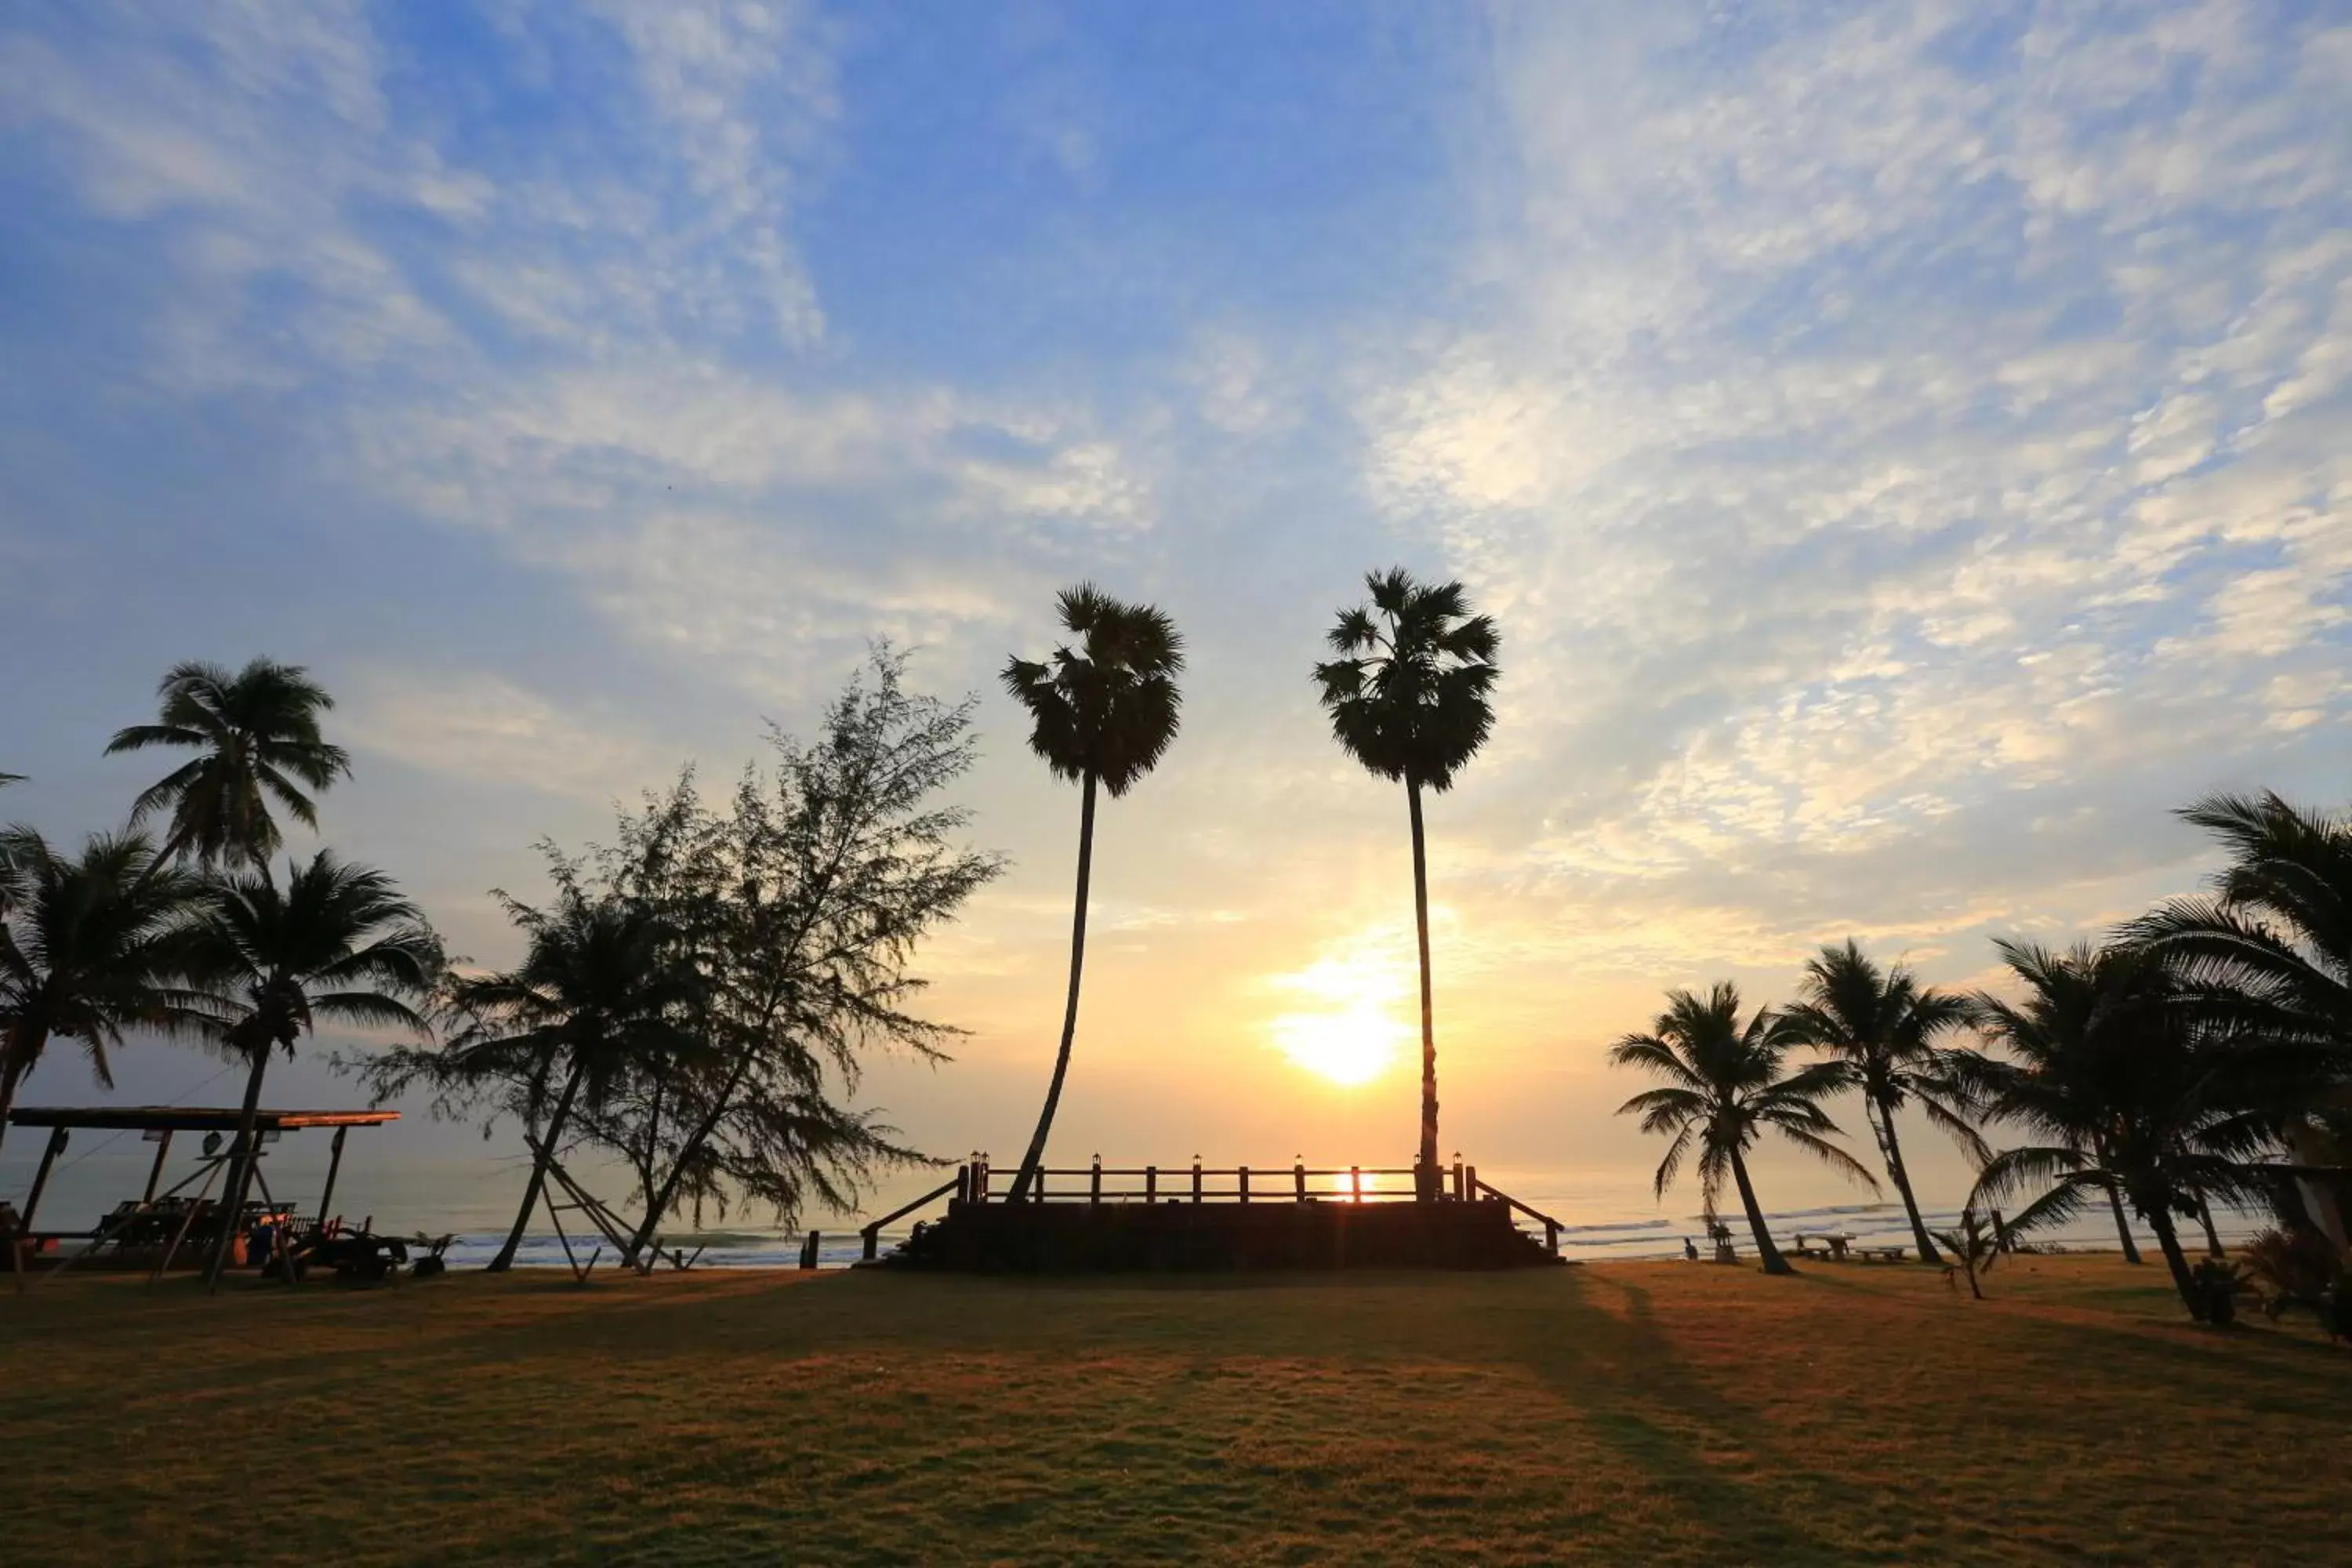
pixel 155 1171
pixel 334 1168
pixel 57 1146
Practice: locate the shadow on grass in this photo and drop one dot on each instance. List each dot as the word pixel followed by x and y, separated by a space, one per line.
pixel 1642 1399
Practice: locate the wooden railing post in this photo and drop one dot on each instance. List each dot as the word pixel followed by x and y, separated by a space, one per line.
pixel 1094 1183
pixel 1196 1181
pixel 808 1251
pixel 1152 1184
pixel 964 1184
pixel 1551 1236
pixel 1298 1177
pixel 1244 1185
pixel 1459 1192
pixel 1355 1184
pixel 873 1234
pixel 1470 1183
pixel 979 1180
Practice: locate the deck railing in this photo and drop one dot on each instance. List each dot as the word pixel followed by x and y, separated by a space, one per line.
pixel 978 1181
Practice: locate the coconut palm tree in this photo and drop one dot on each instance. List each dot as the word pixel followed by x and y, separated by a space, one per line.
pixel 2135 1084
pixel 1882 1027
pixel 1726 1085
pixel 91 946
pixel 2276 937
pixel 599 994
pixel 1408 698
pixel 257 733
pixel 1101 713
pixel 338 942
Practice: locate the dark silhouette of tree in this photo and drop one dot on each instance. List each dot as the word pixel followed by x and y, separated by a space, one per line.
pixel 1726 1085
pixel 91 946
pixel 2275 938
pixel 1408 698
pixel 1884 1027
pixel 803 905
pixel 256 735
pixel 2135 1084
pixel 1102 712
pixel 339 941
pixel 602 992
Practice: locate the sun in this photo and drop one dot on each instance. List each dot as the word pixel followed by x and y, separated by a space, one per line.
pixel 1348 1028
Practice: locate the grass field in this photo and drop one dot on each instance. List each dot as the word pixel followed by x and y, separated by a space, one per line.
pixel 1633 1413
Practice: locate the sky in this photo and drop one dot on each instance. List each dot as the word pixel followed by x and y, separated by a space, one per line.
pixel 1907 448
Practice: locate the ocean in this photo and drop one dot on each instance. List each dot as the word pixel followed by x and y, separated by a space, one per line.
pixel 1605 1213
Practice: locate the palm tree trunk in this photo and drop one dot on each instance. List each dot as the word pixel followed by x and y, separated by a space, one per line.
pixel 538 1163
pixel 1425 1164
pixel 16 1060
pixel 1902 1180
pixel 2205 1219
pixel 2122 1227
pixel 1034 1158
pixel 1774 1262
pixel 240 1170
pixel 2159 1220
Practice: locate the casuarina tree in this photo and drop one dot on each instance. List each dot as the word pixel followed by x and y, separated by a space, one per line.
pixel 257 739
pixel 1883 1028
pixel 1410 696
pixel 1103 711
pixel 1726 1085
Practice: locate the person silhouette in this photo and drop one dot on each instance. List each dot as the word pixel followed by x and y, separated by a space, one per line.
pixel 1690 1249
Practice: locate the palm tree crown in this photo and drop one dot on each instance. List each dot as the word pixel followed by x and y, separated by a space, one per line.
pixel 1107 708
pixel 1409 693
pixel 90 947
pixel 257 733
pixel 1883 1028
pixel 2276 938
pixel 2135 1085
pixel 1725 1085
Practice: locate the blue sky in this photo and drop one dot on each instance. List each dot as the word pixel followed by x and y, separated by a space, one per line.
pixel 1906 448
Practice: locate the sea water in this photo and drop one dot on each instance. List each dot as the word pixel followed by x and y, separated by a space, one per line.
pixel 1605 1214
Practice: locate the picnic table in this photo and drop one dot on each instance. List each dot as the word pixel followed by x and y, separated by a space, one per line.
pixel 1834 1243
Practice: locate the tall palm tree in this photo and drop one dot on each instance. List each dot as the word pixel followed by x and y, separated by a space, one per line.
pixel 91 946
pixel 2276 937
pixel 1101 713
pixel 2134 1085
pixel 338 942
pixel 1882 1027
pixel 1726 1084
pixel 257 733
pixel 599 994
pixel 1408 698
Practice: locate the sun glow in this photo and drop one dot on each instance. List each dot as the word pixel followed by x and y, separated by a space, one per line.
pixel 1350 1028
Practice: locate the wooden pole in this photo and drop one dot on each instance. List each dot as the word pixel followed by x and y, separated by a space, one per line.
pixel 1470 1183
pixel 1152 1184
pixel 212 1169
pixel 1244 1174
pixel 155 1171
pixel 1093 1183
pixel 1459 1192
pixel 334 1166
pixel 808 1252
pixel 1298 1175
pixel 41 1178
pixel 1196 1181
pixel 1355 1184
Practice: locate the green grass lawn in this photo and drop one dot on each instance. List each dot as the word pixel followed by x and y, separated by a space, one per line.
pixel 1630 1413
